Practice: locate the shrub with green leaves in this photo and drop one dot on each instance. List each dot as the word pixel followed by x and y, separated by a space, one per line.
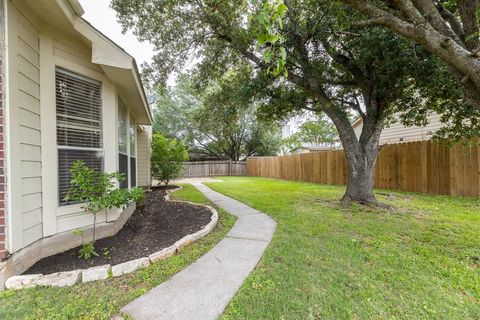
pixel 167 157
pixel 98 192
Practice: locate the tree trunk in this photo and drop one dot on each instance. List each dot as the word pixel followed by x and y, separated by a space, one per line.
pixel 361 172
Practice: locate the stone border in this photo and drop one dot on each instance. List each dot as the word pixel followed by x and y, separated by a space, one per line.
pixel 70 278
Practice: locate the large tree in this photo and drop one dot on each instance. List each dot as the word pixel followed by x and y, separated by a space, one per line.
pixel 450 29
pixel 173 111
pixel 331 69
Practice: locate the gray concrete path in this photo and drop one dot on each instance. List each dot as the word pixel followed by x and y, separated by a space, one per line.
pixel 203 290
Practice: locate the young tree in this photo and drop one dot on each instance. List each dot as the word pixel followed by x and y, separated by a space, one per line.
pixel 450 29
pixel 331 69
pixel 99 193
pixel 167 158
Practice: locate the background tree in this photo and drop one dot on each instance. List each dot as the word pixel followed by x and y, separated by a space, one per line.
pixel 450 29
pixel 167 158
pixel 173 110
pixel 317 132
pixel 216 118
pixel 330 69
pixel 226 122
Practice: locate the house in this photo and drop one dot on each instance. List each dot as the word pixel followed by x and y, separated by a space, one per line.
pixel 68 93
pixel 397 132
pixel 309 147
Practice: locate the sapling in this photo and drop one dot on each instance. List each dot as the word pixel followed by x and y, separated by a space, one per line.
pixel 98 192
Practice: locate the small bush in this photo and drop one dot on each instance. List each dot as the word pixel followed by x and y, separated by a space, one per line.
pixel 167 157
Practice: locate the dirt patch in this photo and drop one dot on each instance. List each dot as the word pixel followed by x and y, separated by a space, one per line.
pixel 152 227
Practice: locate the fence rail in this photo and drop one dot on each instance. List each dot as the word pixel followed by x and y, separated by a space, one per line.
pixel 415 166
pixel 213 168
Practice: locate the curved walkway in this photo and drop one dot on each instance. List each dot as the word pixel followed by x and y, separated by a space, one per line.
pixel 203 290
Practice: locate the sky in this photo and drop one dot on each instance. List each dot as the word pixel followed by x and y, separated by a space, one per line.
pixel 102 17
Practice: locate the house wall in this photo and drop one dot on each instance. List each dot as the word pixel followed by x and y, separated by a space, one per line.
pixel 143 157
pixel 397 132
pixel 24 137
pixel 59 49
pixel 34 50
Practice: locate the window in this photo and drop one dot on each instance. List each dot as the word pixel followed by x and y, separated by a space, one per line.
pixel 122 143
pixel 79 125
pixel 122 127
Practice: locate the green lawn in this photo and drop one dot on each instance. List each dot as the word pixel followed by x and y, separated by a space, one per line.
pixel 102 299
pixel 421 261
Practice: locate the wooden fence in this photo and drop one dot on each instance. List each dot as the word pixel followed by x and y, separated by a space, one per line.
pixel 196 169
pixel 415 166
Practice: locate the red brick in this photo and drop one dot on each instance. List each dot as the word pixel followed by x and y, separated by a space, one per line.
pixel 3 255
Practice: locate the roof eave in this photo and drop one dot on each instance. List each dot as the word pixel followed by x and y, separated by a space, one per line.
pixel 108 55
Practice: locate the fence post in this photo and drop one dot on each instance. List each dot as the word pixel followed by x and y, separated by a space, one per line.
pixel 230 167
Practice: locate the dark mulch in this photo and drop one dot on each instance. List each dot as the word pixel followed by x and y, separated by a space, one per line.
pixel 152 227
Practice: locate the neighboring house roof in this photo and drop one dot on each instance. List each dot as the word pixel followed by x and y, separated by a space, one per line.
pixel 119 66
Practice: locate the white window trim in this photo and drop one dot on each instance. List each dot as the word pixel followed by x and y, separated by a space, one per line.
pixel 52 210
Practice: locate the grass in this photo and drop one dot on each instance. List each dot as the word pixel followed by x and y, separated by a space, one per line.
pixel 421 261
pixel 102 299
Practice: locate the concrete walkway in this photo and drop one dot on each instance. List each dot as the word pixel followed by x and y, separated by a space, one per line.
pixel 203 290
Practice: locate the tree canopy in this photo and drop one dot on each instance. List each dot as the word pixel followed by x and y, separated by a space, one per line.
pixel 329 67
pixel 218 120
pixel 450 29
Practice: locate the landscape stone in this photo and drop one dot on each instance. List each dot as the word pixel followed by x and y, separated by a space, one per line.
pixel 96 273
pixel 130 266
pixel 185 241
pixel 163 254
pixel 22 281
pixel 59 279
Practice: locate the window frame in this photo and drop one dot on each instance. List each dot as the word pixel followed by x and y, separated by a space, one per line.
pixel 68 206
pixel 132 126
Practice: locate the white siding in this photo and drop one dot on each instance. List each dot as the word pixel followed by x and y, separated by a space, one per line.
pixel 397 132
pixel 24 130
pixel 30 136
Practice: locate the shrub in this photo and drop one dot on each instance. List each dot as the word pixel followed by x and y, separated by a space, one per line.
pixel 167 157
pixel 98 192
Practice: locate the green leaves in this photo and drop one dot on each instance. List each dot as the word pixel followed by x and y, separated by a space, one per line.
pixel 98 192
pixel 167 157
pixel 268 33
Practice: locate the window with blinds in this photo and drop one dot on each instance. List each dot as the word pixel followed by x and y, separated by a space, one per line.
pixel 79 125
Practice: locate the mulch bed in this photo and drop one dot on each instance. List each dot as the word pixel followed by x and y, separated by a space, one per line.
pixel 152 227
